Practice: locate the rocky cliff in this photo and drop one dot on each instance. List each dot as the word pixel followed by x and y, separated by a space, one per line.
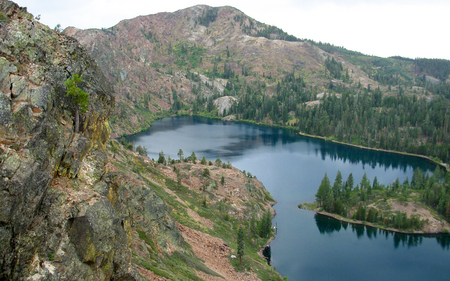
pixel 62 216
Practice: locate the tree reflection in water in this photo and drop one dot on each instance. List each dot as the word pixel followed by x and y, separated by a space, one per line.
pixel 328 225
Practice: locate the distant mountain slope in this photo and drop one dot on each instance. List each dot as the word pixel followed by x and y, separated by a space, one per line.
pixel 147 58
pixel 183 62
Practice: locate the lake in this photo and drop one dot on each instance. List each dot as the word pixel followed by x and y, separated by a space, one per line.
pixel 308 246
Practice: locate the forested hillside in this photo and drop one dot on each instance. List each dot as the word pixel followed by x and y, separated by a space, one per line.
pixel 183 62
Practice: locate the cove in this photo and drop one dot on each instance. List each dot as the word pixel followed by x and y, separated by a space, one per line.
pixel 308 246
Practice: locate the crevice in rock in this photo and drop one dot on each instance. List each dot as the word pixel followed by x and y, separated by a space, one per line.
pixel 69 224
pixel 44 195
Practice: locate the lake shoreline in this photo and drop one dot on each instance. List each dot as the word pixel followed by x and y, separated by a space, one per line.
pixel 351 221
pixel 443 165
pixel 290 166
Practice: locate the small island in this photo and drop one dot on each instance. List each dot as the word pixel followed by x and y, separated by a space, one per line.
pixel 421 206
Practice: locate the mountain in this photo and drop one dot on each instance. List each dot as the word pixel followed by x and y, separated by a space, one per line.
pixel 75 205
pixel 149 58
pixel 183 62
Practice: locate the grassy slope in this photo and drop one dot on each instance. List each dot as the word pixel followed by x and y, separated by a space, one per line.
pixel 183 264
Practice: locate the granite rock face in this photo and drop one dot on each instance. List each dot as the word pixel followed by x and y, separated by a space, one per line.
pixel 58 218
pixel 224 103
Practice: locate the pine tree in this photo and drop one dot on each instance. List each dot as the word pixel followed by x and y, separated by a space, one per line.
pixel 142 150
pixel 266 225
pixel 350 182
pixel 180 154
pixel 162 158
pixel 348 186
pixel 360 213
pixel 323 190
pixel 329 201
pixel 337 186
pixel 240 245
pixel 79 98
pixel 193 157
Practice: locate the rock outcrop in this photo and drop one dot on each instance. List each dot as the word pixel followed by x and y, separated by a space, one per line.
pixel 62 215
pixel 224 103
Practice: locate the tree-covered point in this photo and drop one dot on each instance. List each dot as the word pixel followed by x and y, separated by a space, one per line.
pixel 370 201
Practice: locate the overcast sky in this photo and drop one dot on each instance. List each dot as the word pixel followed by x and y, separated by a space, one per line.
pixel 409 28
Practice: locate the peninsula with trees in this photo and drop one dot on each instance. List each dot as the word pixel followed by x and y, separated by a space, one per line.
pixel 421 205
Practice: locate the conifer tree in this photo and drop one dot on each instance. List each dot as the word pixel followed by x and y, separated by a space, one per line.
pixel 323 190
pixel 337 186
pixel 266 225
pixel 79 98
pixel 162 158
pixel 240 245
pixel 180 154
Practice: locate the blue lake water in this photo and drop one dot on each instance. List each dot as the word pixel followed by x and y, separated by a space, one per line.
pixel 307 246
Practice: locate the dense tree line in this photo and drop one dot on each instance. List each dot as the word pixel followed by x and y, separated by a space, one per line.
pixel 386 79
pixel 254 104
pixel 336 69
pixel 344 199
pixel 403 123
pixel 435 190
pixel 438 68
pixel 366 117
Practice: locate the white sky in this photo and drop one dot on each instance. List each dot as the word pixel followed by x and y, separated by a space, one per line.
pixel 409 28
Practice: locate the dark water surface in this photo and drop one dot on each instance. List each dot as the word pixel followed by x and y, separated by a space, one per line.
pixel 307 246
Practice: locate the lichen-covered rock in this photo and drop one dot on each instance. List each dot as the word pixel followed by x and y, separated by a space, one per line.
pixel 63 216
pixel 146 210
pixel 53 225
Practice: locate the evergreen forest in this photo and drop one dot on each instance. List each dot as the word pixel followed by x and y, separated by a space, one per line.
pixel 370 202
pixel 409 114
